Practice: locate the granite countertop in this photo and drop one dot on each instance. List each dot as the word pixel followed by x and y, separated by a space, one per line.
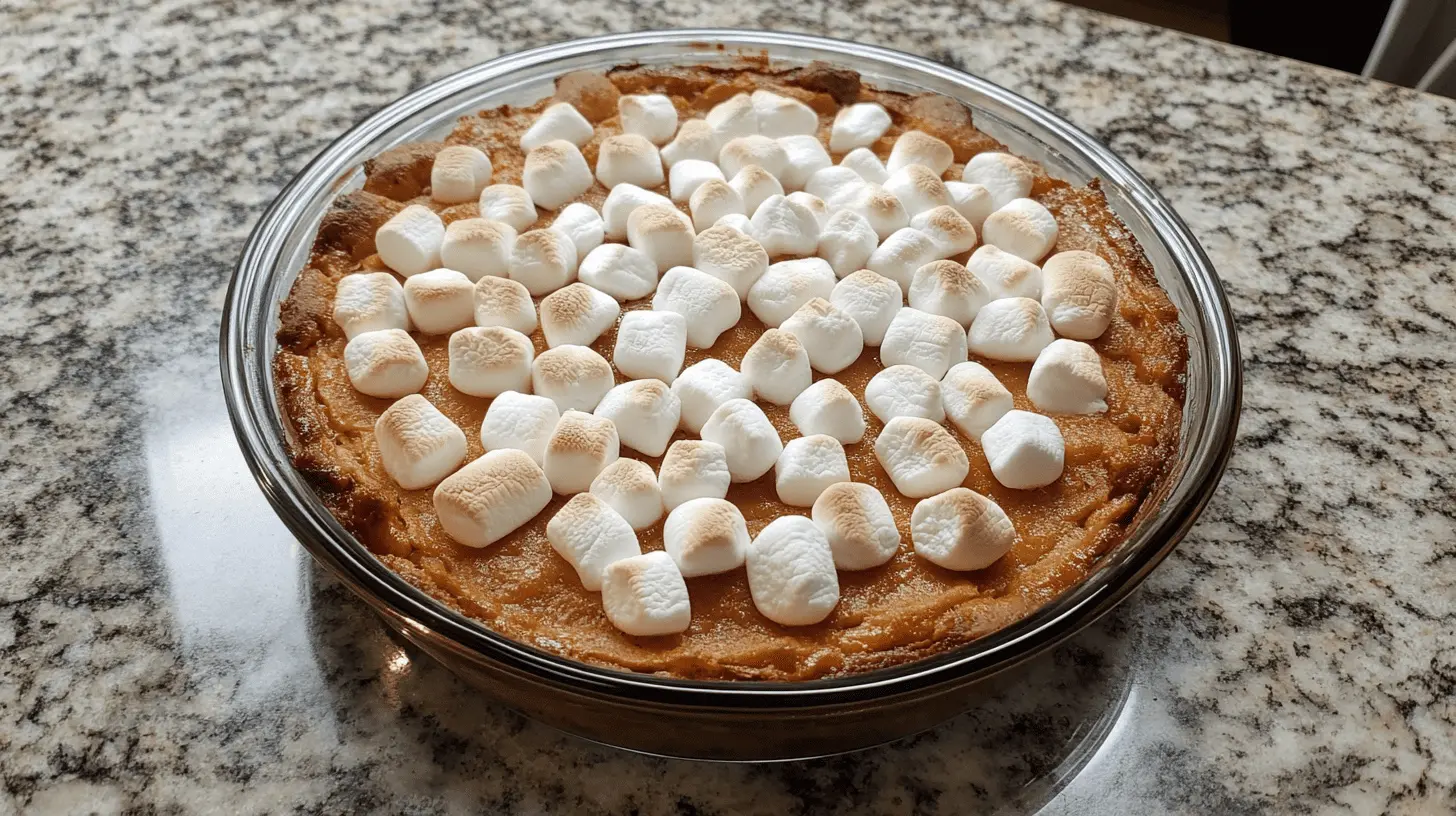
pixel 169 648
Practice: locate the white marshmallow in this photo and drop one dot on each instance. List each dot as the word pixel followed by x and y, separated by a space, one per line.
pixel 696 139
pixel 651 344
pixel 915 147
pixel 1004 176
pixel 651 116
pixel 755 185
pixel 921 457
pixel 972 201
pixel 847 241
pixel 560 121
pixel 555 173
pixel 663 234
pixel 827 407
pixel 791 572
pixel 418 445
pixel 872 300
pixel 620 271
pixel 1025 450
pixel 807 466
pixel 804 156
pixel 543 260
pixel 786 286
pixel 905 251
pixel 777 367
pixel 693 469
pixel 488 361
pixel 622 201
pixel 783 116
pixel 645 596
pixel 705 385
pixel 973 398
pixel 459 173
pixel 687 175
pixel 738 222
pixel 577 315
pixel 856 520
pixel 743 151
pixel 583 225
pixel 711 201
pixel 646 413
pixel 509 204
pixel 627 158
pixel 961 530
pixel 368 302
pixel 858 126
pixel 950 230
pixel 630 487
pixel 1023 227
pixel 918 189
pixel 1010 329
pixel 504 302
pixel 1004 274
pixel 709 305
pixel 837 186
pixel 409 243
pixel 813 204
pixel 1079 294
pixel 785 227
pixel 705 536
pixel 1067 378
pixel 522 422
pixel 931 343
pixel 591 536
pixel 879 207
pixel 574 377
pixel 491 497
pixel 746 434
pixel 385 363
pixel 949 289
pixel 440 301
pixel 478 247
pixel 866 165
pixel 831 337
pixel 730 256
pixel 904 390
pixel 581 446
pixel 732 118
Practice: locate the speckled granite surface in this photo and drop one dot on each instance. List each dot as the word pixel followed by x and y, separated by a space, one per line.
pixel 168 648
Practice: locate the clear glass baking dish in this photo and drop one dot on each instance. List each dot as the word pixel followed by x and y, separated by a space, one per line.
pixel 723 720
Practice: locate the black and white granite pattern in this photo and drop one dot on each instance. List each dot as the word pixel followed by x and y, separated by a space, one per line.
pixel 168 648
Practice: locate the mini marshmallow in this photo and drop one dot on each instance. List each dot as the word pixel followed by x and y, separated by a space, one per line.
pixel 785 227
pixel 577 315
pixel 732 118
pixel 651 344
pixel 694 140
pixel 477 247
pixel 555 173
pixel 872 300
pixel 518 421
pixel 1004 176
pixel 831 337
pixel 581 446
pixel 858 126
pixel 804 156
pixel 620 271
pixel 1004 274
pixel 1067 378
pixel 630 487
pixel 866 165
pixel 905 251
pixel 807 466
pixel 693 469
pixel 972 201
pixel 918 189
pixel 509 204
pixel 791 572
pixel 947 228
pixel 904 390
pixel 1010 329
pixel 687 175
pixel 730 256
pixel 777 367
pixel 560 121
pixel 786 286
pixel 622 201
pixel 491 497
pixel 459 173
pixel 627 158
pixel 780 116
pixel 737 222
pixel 706 536
pixel 418 445
pixel 1025 450
pixel 879 207
pixel 813 204
pixel 504 302
pixel 961 530
pixel 591 536
pixel 543 260
pixel 949 289
pixel 409 243
pixel 645 596
pixel 646 413
pixel 746 434
pixel 847 241
pixel 386 363
pixel 705 385
pixel 440 301
pixel 856 520
pixel 931 343
pixel 574 377
pixel 746 150
pixel 1079 294
pixel 755 185
pixel 368 302
pixel 837 186
pixel 663 234
pixel 583 225
pixel 709 305
pixel 488 361
pixel 921 457
pixel 1023 227
pixel 973 398
pixel 651 116
pixel 827 407
pixel 915 147
pixel 711 201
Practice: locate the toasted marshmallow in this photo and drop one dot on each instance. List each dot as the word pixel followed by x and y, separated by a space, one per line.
pixel 630 487
pixel 807 466
pixel 693 469
pixel 1010 329
pixel 561 121
pixel 847 241
pixel 1024 228
pixel 738 222
pixel 856 520
pixel 866 165
pixel 791 572
pixel 1004 176
pixel 646 596
pixel 949 289
pixel 709 305
pixel 786 286
pixel 522 422
pixel 409 243
pixel 732 118
pixel 813 204
pixel 543 260
pixel 831 337
pixel 646 413
pixel 837 186
pixel 961 530
pixel 574 377
pixel 459 173
pixel 591 536
pixel 750 440
pixel 440 301
pixel 1067 378
pixel 947 228
pixel 730 256
pixel 696 139
pixel 972 201
pixel 687 175
pixel 705 536
pixel 504 302
pixel 477 247
pixel 872 300
pixel 785 227
pixel 827 407
pixel 777 367
pixel 651 116
pixel 627 158
pixel 804 156
pixel 973 398
pixel 1004 274
pixel 879 207
pixel 418 445
pixel 555 173
pixel 858 126
pixel 488 361
pixel 491 497
pixel 622 201
pixel 385 363
pixel 905 251
pixel 368 302
pixel 755 185
pixel 1025 450
pixel 577 315
pixel 663 234
pixel 651 344
pixel 904 390
pixel 917 148
pixel 918 189
pixel 620 271
pixel 583 225
pixel 780 116
pixel 705 385
pixel 580 447
pixel 1079 294
pixel 743 151
pixel 711 201
pixel 921 457
pixel 509 204
pixel 931 343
